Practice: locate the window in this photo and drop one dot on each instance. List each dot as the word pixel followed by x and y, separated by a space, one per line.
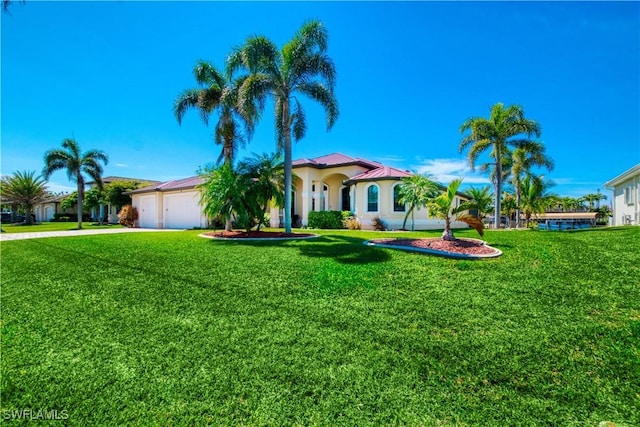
pixel 628 195
pixel 397 206
pixel 372 198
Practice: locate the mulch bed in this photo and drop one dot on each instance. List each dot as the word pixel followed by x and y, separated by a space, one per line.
pixel 458 246
pixel 235 234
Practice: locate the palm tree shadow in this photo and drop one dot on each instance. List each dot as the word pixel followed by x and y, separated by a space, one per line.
pixel 345 250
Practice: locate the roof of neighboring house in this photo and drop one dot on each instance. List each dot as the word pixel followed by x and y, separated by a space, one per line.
pixel 623 176
pixel 55 199
pixel 111 178
pixel 380 173
pixel 176 184
pixel 334 160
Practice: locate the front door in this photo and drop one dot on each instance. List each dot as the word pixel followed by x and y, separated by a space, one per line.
pixel 346 198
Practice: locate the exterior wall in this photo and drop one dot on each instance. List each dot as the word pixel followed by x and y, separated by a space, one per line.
pixel 623 212
pixel 161 203
pixel 393 220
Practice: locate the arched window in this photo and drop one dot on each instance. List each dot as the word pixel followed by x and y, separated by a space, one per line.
pixel 397 206
pixel 372 198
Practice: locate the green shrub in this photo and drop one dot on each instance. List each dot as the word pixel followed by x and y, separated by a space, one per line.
pixel 325 219
pixel 69 217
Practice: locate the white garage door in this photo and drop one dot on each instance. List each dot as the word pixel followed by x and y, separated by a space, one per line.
pixel 182 210
pixel 147 212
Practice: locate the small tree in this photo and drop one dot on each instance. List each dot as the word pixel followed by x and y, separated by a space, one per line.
pixel 442 207
pixel 26 189
pixel 416 191
pixel 481 200
pixel 224 195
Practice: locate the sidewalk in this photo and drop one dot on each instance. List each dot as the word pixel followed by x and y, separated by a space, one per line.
pixel 4 237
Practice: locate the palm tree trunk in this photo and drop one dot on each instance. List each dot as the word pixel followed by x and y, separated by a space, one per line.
pixel 404 223
pixel 518 199
pixel 287 164
pixel 228 225
pixel 496 220
pixel 447 234
pixel 79 202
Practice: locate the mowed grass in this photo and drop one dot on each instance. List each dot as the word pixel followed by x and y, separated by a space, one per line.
pixel 54 226
pixel 173 329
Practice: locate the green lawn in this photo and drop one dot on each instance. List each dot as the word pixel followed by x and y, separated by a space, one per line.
pixel 173 329
pixel 54 226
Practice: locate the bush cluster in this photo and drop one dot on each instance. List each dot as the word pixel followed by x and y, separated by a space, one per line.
pixel 128 216
pixel 325 219
pixel 69 217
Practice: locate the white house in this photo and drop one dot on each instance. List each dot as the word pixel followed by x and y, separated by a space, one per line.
pixel 333 182
pixel 626 196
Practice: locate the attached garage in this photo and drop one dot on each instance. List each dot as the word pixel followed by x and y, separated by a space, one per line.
pixel 172 204
pixel 182 210
pixel 147 211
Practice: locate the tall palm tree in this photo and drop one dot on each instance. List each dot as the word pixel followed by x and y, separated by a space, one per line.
pixel 301 67
pixel 524 157
pixel 497 133
pixel 535 196
pixel 481 200
pixel 76 163
pixel 266 172
pixel 416 191
pixel 26 189
pixel 218 93
pixel 442 207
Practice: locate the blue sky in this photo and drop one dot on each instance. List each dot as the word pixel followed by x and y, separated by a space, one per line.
pixel 409 74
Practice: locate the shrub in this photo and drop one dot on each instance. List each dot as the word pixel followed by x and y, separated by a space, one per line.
pixel 325 219
pixel 69 217
pixel 128 216
pixel 378 224
pixel 352 223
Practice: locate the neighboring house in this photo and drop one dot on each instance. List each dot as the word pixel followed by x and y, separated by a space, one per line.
pixel 172 204
pixel 626 196
pixel 109 211
pixel 333 182
pixel 46 209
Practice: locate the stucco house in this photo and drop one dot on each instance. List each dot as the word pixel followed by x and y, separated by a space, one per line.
pixel 46 209
pixel 332 182
pixel 626 196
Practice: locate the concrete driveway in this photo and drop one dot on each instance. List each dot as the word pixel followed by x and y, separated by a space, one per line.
pixel 69 233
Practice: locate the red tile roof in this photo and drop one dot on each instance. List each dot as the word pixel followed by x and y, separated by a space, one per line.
pixel 177 184
pixel 384 172
pixel 335 160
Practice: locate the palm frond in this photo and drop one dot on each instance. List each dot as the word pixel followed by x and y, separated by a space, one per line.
pixel 325 97
pixel 299 121
pixel 472 222
pixel 186 100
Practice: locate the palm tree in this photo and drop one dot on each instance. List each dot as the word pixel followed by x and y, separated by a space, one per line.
pixel 416 191
pixel 223 194
pixel 218 93
pixel 535 196
pixel 526 155
pixel 26 189
pixel 497 133
pixel 76 163
pixel 301 67
pixel 266 172
pixel 442 207
pixel 594 198
pixel 481 200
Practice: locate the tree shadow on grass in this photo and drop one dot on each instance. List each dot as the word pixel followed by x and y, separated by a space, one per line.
pixel 345 250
